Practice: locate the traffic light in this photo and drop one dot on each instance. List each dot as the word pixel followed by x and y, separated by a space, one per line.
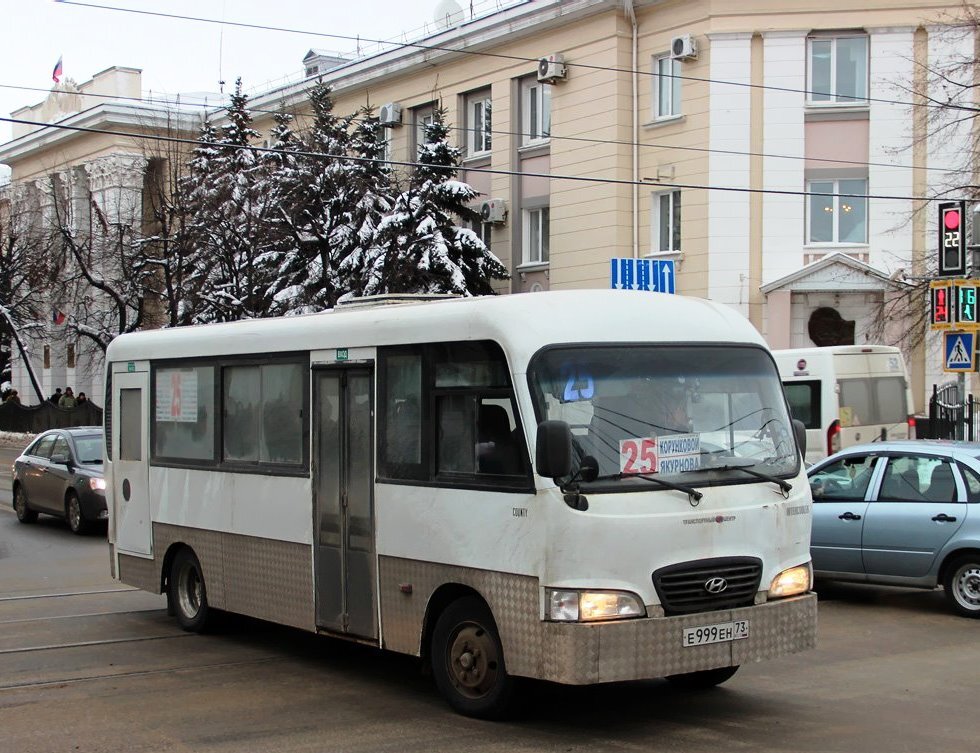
pixel 941 313
pixel 952 239
pixel 966 304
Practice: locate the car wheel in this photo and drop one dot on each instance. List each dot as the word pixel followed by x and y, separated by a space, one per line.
pixel 73 514
pixel 703 680
pixel 468 660
pixel 24 513
pixel 188 594
pixel 962 586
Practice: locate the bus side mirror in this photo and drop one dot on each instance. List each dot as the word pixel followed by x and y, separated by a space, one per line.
pixel 800 431
pixel 553 454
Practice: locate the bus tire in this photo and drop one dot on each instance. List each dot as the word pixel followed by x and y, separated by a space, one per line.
pixel 468 660
pixel 962 585
pixel 188 593
pixel 24 512
pixel 703 680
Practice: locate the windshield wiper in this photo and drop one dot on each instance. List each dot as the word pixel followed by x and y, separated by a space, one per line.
pixel 688 490
pixel 747 467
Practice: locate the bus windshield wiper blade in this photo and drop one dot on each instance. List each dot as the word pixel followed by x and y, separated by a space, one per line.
pixel 784 485
pixel 688 490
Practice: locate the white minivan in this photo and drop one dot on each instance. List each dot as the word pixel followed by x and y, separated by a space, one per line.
pixel 847 394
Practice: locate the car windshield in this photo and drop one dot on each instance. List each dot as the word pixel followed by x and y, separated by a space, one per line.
pixel 89 448
pixel 691 414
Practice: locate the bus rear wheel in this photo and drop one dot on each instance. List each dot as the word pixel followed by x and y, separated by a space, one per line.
pixel 187 593
pixel 468 660
pixel 703 680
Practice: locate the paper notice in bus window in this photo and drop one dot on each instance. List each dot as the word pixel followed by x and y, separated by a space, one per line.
pixel 670 453
pixel 176 396
pixel 846 416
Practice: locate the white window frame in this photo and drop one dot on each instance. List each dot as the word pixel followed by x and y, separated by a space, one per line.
pixel 479 136
pixel 535 112
pixel 839 202
pixel 536 246
pixel 670 85
pixel 657 220
pixel 421 117
pixel 836 99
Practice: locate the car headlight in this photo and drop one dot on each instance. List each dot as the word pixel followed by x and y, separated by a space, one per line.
pixel 96 484
pixel 791 582
pixel 589 606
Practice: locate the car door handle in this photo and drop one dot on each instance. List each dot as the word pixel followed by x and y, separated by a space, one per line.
pixel 849 516
pixel 944 518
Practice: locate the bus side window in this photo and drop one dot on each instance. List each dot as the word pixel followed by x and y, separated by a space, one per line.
pixel 497 448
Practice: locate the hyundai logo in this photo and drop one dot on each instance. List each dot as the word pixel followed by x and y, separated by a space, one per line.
pixel 715 585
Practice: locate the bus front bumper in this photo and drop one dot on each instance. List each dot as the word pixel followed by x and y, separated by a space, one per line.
pixel 584 653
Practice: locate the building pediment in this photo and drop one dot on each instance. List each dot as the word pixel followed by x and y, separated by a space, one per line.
pixel 836 272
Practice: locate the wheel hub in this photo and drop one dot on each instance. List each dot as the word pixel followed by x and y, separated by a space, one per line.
pixel 473 661
pixel 968 585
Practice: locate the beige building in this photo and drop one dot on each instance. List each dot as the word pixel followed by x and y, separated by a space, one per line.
pixel 737 139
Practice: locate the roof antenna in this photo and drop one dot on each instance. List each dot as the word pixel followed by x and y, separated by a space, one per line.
pixel 221 43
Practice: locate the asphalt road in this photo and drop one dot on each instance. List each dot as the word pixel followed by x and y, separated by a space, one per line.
pixel 88 664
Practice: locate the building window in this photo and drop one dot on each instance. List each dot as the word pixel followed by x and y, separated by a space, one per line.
pixel 47 356
pixel 421 117
pixel 536 235
pixel 478 112
pixel 837 70
pixel 838 211
pixel 666 222
pixel 667 87
pixel 71 355
pixel 535 111
pixel 483 230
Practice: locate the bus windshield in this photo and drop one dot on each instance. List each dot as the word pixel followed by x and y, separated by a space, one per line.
pixel 691 414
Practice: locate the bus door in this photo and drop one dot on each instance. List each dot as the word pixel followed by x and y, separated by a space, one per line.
pixel 343 501
pixel 130 472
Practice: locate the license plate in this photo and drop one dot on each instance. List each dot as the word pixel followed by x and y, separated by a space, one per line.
pixel 719 633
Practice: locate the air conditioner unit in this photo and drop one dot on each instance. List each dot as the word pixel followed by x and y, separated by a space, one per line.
pixel 551 69
pixel 493 210
pixel 683 48
pixel 390 114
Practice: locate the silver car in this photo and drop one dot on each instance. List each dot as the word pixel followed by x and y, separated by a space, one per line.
pixel 902 513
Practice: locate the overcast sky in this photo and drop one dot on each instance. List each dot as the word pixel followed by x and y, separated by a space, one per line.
pixel 181 56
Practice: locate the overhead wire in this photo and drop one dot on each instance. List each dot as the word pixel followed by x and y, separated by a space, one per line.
pixel 504 56
pixel 177 102
pixel 486 170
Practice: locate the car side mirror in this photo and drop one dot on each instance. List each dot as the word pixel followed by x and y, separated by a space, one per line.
pixel 800 431
pixel 60 459
pixel 553 454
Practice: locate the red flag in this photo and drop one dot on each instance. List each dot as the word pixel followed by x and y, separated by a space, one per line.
pixel 56 73
pixel 57 317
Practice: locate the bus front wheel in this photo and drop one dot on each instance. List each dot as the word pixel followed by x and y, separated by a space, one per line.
pixel 187 593
pixel 468 660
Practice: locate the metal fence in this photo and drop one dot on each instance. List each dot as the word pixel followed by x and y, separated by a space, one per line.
pixel 952 415
pixel 32 419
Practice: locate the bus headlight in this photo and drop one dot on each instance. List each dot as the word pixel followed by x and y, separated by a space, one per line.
pixel 791 582
pixel 589 606
pixel 96 484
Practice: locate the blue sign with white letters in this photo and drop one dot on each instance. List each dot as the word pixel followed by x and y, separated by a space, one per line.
pixel 653 275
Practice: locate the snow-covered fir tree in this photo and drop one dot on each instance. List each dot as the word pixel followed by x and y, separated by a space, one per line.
pixel 229 226
pixel 315 199
pixel 420 246
pixel 372 193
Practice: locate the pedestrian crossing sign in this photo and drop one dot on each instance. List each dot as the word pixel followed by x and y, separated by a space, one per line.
pixel 958 347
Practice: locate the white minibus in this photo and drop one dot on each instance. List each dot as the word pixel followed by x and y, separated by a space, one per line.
pixel 578 486
pixel 847 394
